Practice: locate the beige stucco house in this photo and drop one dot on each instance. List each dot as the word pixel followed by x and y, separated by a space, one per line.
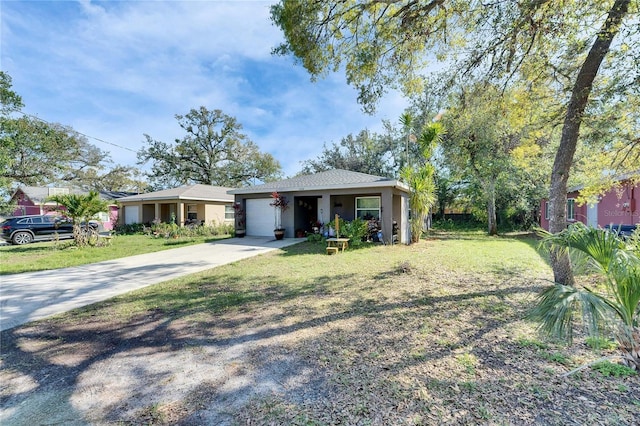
pixel 186 204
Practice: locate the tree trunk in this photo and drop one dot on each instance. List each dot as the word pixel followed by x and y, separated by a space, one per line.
pixel 491 209
pixel 571 130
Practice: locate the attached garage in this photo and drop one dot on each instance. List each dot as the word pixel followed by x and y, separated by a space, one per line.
pixel 131 215
pixel 259 222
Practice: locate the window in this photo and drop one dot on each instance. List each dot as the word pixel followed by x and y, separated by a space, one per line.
pixel 229 213
pixel 571 209
pixel 192 212
pixel 546 210
pixel 368 208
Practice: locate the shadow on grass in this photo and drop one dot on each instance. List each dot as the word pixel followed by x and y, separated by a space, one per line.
pixel 169 318
pixel 153 329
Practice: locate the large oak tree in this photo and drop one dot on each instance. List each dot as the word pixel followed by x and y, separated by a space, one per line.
pixel 383 44
pixel 213 152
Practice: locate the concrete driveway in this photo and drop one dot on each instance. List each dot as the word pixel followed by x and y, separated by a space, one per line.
pixel 36 295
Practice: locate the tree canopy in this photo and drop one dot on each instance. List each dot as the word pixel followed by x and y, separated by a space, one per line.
pixel 564 45
pixel 365 153
pixel 37 153
pixel 213 152
pixel 492 140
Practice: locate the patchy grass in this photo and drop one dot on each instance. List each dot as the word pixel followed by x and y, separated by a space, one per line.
pixel 432 333
pixel 44 256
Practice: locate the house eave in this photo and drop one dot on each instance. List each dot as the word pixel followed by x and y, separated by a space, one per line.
pixel 385 184
pixel 145 199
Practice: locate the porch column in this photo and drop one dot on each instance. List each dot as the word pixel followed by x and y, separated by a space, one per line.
pixel 179 214
pixel 404 228
pixel 324 208
pixel 387 214
pixel 156 211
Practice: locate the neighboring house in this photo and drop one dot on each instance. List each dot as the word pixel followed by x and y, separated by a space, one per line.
pixel 186 204
pixel 319 197
pixel 34 200
pixel 618 206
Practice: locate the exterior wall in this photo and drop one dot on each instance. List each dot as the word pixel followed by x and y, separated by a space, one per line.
pixel 214 213
pixel 150 210
pixel 619 206
pixel 342 202
pixel 27 207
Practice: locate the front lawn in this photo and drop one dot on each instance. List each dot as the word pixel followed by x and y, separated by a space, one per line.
pixel 431 333
pixel 62 254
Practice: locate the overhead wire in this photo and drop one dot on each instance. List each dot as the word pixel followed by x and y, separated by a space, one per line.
pixel 78 132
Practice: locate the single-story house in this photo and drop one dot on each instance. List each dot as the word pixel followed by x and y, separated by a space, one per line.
pixel 618 206
pixel 317 198
pixel 186 204
pixel 34 200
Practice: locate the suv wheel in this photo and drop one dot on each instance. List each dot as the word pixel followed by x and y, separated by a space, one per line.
pixel 22 238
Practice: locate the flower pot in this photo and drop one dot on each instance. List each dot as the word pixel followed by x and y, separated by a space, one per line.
pixel 279 234
pixel 240 233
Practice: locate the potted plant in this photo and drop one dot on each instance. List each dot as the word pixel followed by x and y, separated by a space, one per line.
pixel 239 217
pixel 280 204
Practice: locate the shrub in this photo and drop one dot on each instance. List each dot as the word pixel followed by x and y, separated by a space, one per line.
pixel 355 230
pixel 315 238
pixel 607 368
pixel 130 229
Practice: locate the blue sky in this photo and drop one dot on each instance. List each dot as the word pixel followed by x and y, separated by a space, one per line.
pixel 119 69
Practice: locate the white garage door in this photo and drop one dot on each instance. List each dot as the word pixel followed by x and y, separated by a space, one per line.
pixel 260 217
pixel 130 214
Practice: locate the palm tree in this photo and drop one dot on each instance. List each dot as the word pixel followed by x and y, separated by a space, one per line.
pixel 615 304
pixel 81 208
pixel 421 180
pixel 406 120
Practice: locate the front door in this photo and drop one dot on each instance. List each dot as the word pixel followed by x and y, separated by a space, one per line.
pixel 592 215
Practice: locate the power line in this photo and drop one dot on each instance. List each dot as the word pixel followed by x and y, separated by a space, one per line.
pixel 80 133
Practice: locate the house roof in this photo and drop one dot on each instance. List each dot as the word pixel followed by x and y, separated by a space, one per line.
pixel 618 178
pixel 197 192
pixel 331 179
pixel 39 194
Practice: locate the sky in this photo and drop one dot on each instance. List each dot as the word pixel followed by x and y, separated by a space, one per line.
pixel 117 70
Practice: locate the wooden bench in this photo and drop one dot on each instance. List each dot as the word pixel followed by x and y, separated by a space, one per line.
pixel 332 250
pixel 335 244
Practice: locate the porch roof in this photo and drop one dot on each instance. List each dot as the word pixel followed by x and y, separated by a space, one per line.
pixel 197 192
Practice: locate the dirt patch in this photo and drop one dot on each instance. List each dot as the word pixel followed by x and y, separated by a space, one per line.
pixel 398 343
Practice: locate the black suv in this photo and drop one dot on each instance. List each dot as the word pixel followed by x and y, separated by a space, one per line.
pixel 27 229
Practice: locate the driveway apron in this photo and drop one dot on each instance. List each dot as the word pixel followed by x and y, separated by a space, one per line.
pixel 36 295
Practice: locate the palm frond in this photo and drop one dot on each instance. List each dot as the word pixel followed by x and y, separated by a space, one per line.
pixel 599 246
pixel 557 305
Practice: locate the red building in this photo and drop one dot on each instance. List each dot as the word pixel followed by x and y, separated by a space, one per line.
pixel 34 200
pixel 618 206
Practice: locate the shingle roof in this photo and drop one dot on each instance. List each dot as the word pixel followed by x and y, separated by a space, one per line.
pixel 39 194
pixel 190 192
pixel 331 179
